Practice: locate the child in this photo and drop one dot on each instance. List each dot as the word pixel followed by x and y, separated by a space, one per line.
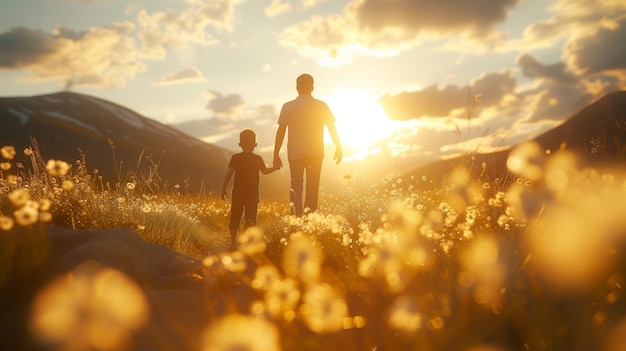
pixel 245 198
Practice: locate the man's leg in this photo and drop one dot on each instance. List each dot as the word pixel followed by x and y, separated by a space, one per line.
pixel 236 211
pixel 313 173
pixel 296 169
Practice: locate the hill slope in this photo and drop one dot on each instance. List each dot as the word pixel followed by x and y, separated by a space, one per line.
pixel 115 140
pixel 597 133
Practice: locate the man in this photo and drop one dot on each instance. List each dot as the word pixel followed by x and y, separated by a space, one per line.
pixel 304 119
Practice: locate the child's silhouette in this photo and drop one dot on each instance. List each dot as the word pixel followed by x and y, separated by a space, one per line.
pixel 245 197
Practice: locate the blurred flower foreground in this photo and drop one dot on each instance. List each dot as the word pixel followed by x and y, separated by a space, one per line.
pixel 530 259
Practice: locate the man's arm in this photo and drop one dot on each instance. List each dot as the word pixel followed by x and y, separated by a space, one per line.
pixel 280 136
pixel 332 130
pixel 229 174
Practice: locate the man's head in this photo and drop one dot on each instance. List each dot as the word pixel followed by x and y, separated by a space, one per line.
pixel 247 139
pixel 304 84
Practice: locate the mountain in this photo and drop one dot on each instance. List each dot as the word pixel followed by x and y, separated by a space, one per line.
pixel 115 140
pixel 597 133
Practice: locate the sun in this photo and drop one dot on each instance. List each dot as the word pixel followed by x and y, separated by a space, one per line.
pixel 361 122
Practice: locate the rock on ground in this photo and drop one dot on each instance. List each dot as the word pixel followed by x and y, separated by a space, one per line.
pixel 147 296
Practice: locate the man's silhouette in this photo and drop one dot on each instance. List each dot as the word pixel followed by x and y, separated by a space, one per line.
pixel 303 120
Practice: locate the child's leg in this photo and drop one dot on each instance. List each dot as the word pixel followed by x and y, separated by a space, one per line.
pixel 250 216
pixel 236 212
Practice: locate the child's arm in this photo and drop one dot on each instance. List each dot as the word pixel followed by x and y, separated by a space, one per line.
pixel 266 170
pixel 229 174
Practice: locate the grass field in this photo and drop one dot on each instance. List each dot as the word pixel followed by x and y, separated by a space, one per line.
pixel 530 260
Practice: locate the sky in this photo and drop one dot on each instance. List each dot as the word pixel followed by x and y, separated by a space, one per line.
pixel 405 78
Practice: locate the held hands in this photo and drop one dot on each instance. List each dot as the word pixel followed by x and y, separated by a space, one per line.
pixel 277 162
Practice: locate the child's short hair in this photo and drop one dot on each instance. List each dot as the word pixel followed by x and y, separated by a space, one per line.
pixel 247 137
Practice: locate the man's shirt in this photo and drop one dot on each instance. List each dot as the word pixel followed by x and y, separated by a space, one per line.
pixel 305 118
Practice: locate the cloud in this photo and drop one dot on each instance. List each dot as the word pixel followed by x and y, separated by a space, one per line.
pixel 267 112
pixel 22 47
pixel 306 4
pixel 107 57
pixel 103 57
pixel 593 64
pixel 557 72
pixel 412 17
pixel 548 102
pixel 188 74
pixel 601 84
pixel 224 130
pixel 487 91
pixel 381 28
pixel 225 105
pixel 515 118
pixel 496 103
pixel 570 19
pixel 161 30
pixel 430 101
pixel 601 51
pixel 277 7
pixel 86 1
pixel 330 40
pixel 594 60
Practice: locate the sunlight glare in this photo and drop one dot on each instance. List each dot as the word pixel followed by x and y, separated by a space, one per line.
pixel 361 122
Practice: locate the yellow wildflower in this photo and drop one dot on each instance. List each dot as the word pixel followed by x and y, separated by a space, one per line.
pixel 57 168
pixel 237 332
pixel 19 197
pixel 92 309
pixel 27 214
pixel 7 152
pixel 323 309
pixel 67 185
pixel 302 259
pixel 6 223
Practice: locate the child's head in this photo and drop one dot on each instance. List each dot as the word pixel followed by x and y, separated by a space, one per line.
pixel 247 139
